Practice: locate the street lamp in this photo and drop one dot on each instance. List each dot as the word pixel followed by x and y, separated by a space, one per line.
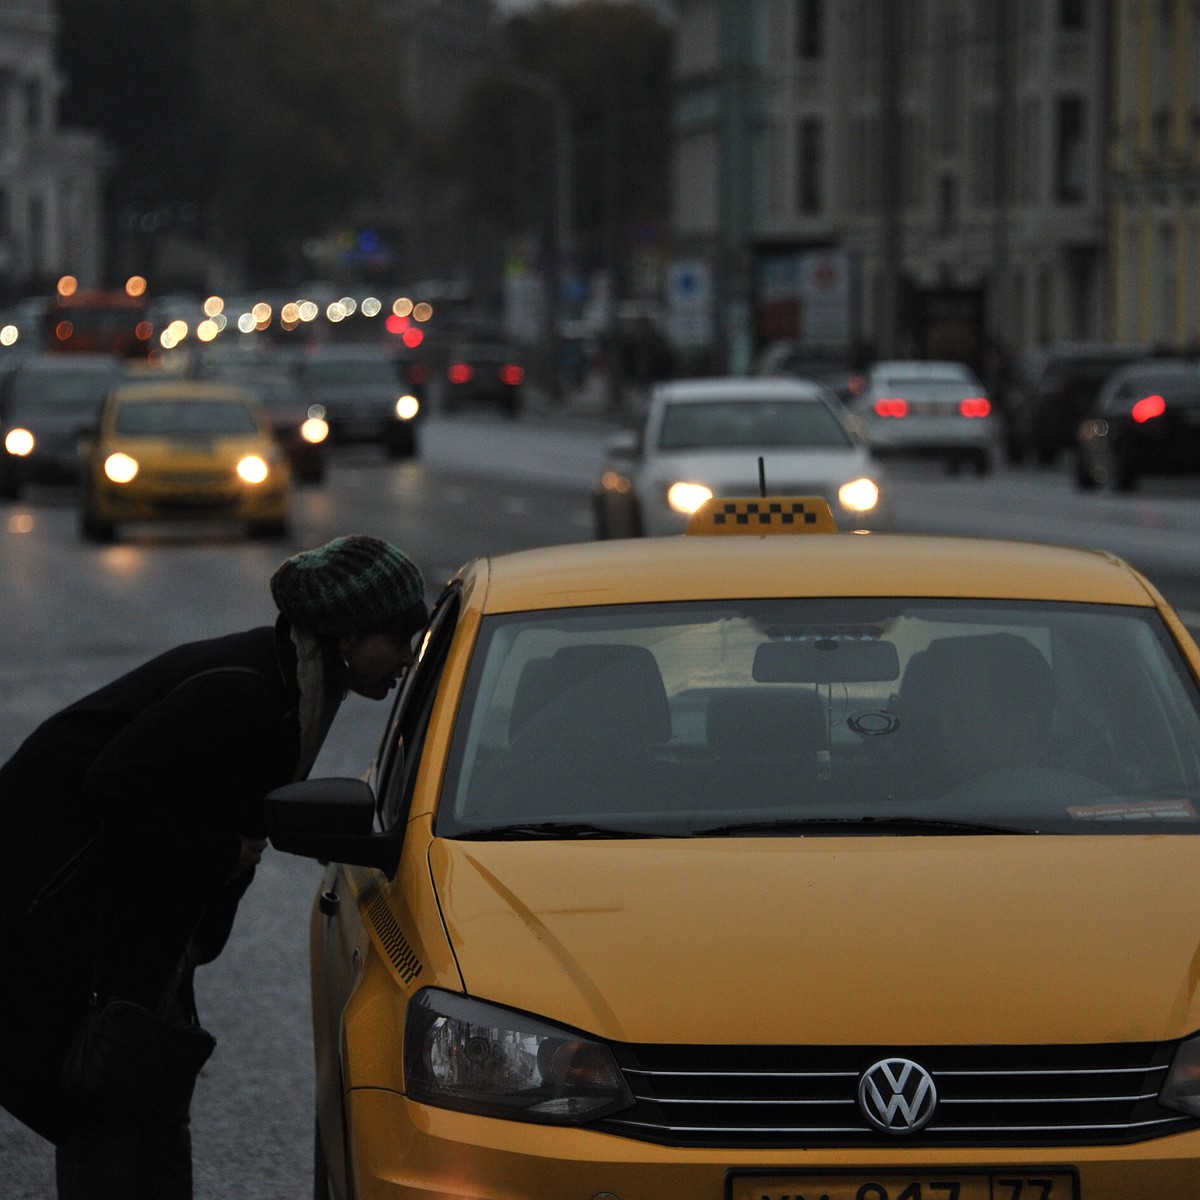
pixel 561 232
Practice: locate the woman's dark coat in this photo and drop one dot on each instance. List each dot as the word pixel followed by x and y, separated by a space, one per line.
pixel 152 781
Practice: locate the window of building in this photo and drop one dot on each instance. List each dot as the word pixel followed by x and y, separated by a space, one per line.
pixel 914 160
pixel 984 127
pixel 947 205
pixel 1161 125
pixel 1030 151
pixel 37 231
pixel 1070 150
pixel 809 166
pixel 945 83
pixel 1166 272
pixel 1072 14
pixel 1045 296
pixel 810 29
pixel 34 114
pixel 772 172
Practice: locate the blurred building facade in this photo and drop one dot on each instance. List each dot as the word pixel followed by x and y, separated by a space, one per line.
pixel 51 178
pixel 933 176
pixel 1154 160
pixel 442 48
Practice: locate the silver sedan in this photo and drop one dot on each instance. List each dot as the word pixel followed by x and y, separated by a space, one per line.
pixel 706 437
pixel 921 409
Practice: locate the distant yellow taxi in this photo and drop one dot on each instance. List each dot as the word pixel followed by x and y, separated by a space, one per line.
pixel 183 451
pixel 763 862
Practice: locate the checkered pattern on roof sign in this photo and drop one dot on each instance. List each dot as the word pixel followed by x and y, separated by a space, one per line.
pixel 761 515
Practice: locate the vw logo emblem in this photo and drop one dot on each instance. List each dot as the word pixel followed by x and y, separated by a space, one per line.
pixel 897 1095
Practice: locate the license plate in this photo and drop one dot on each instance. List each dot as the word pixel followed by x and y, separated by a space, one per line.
pixel 948 1185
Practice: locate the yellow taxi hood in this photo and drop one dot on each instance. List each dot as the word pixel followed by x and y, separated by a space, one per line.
pixel 876 940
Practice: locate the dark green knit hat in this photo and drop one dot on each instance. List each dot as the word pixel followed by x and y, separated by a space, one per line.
pixel 356 584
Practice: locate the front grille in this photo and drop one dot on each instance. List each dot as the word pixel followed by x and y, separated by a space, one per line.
pixel 796 1096
pixel 190 479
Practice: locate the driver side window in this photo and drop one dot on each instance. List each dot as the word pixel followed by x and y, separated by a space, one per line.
pixel 403 742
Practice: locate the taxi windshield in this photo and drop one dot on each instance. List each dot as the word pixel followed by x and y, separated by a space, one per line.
pixel 825 717
pixel 184 418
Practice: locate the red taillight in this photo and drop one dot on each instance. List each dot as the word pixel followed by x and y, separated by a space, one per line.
pixel 512 374
pixel 1147 408
pixel 975 406
pixel 461 373
pixel 891 406
pixel 412 337
pixel 855 384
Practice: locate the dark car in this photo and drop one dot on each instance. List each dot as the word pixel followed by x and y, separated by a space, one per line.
pixel 299 427
pixel 412 366
pixel 1146 421
pixel 1058 390
pixel 46 404
pixel 484 370
pixel 362 395
pixel 833 366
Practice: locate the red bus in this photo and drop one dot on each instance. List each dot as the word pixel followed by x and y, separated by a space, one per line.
pixel 99 322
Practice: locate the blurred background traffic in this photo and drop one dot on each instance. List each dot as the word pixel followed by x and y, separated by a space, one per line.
pixel 591 196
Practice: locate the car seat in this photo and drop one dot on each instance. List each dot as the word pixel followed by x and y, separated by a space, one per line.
pixel 582 727
pixel 766 746
pixel 1020 687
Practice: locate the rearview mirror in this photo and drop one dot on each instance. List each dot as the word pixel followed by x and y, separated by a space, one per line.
pixel 826 660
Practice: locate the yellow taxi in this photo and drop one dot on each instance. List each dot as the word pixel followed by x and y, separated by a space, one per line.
pixel 183 451
pixel 768 862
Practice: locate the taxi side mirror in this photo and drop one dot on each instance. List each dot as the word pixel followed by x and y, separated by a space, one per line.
pixel 331 820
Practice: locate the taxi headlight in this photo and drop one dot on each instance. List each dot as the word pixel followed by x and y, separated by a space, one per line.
pixel 315 430
pixel 19 442
pixel 253 469
pixel 860 495
pixel 464 1054
pixel 685 498
pixel 407 407
pixel 120 468
pixel 1182 1088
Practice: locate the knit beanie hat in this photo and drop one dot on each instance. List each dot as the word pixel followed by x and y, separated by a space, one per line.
pixel 356 584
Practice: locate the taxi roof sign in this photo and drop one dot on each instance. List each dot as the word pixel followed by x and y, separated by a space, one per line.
pixel 724 515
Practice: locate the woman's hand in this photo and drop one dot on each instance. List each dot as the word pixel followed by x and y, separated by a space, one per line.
pixel 249 857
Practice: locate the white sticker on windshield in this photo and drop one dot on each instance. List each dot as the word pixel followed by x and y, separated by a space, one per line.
pixel 1141 810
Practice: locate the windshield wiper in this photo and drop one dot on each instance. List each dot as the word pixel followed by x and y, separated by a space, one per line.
pixel 553 830
pixel 865 825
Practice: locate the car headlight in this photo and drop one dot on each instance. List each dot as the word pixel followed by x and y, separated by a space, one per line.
pixel 860 495
pixel 253 468
pixel 685 498
pixel 19 442
pixel 407 407
pixel 120 468
pixel 476 1057
pixel 1182 1088
pixel 314 430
